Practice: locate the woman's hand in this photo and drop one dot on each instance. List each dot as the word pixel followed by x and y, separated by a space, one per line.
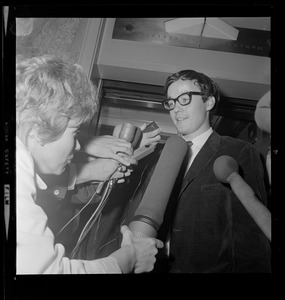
pixel 108 146
pixel 101 169
pixel 145 249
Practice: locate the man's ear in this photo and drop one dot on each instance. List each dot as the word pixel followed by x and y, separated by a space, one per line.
pixel 210 103
pixel 33 136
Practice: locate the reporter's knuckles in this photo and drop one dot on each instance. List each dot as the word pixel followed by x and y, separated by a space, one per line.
pixel 125 228
pixel 159 243
pixel 144 268
pixel 123 168
pixel 143 126
pixel 113 164
pixel 151 244
pixel 128 149
pixel 125 157
pixel 118 175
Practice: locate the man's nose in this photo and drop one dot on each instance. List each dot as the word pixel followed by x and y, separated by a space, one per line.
pixel 177 107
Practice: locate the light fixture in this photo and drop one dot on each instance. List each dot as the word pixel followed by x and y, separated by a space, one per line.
pixel 204 27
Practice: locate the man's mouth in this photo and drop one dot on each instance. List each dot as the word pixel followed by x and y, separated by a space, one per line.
pixel 179 118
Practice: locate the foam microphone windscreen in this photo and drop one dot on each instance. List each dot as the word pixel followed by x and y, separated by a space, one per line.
pixel 224 166
pixel 262 114
pixel 156 196
pixel 128 132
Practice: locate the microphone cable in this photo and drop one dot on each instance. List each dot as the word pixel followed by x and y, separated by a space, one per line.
pixel 100 207
pixel 94 216
pixel 77 213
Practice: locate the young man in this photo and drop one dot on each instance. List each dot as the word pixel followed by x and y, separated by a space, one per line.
pixel 210 230
pixel 206 227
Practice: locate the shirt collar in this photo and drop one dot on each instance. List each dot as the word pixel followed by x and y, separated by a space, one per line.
pixel 201 139
pixel 40 183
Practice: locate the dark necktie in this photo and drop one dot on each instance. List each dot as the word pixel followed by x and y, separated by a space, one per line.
pixel 189 143
pixel 188 155
pixel 177 187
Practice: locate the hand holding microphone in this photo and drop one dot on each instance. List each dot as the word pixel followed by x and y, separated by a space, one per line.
pixel 141 233
pixel 145 250
pixel 128 132
pixel 150 212
pixel 226 170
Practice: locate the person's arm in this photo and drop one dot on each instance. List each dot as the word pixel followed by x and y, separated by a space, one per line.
pixel 77 173
pixel 100 170
pixel 108 146
pixel 36 251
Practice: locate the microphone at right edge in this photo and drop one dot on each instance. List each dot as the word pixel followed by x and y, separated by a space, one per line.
pixel 226 170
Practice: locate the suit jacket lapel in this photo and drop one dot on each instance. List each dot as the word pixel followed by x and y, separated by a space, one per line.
pixel 202 159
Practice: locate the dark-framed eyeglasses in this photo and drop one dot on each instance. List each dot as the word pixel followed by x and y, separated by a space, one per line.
pixel 183 99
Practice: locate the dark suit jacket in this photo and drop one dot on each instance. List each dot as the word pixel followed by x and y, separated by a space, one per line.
pixel 211 230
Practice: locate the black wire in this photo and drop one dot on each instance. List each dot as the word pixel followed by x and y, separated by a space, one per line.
pixel 95 217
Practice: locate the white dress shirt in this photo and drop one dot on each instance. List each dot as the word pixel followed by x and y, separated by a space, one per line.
pixel 36 251
pixel 198 143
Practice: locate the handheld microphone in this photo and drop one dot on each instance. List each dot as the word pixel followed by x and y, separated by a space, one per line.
pixel 128 132
pixel 226 170
pixel 262 114
pixel 149 214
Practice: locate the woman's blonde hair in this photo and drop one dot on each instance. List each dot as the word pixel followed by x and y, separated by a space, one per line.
pixel 50 93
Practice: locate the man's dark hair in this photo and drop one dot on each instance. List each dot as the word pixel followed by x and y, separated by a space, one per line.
pixel 208 87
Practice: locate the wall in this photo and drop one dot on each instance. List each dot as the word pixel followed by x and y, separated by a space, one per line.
pixel 62 37
pixel 238 75
pixel 73 39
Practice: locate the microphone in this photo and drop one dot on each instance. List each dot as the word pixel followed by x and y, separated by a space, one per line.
pixel 226 170
pixel 128 132
pixel 149 214
pixel 262 114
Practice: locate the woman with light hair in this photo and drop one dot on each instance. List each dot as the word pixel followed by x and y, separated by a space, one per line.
pixel 53 99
